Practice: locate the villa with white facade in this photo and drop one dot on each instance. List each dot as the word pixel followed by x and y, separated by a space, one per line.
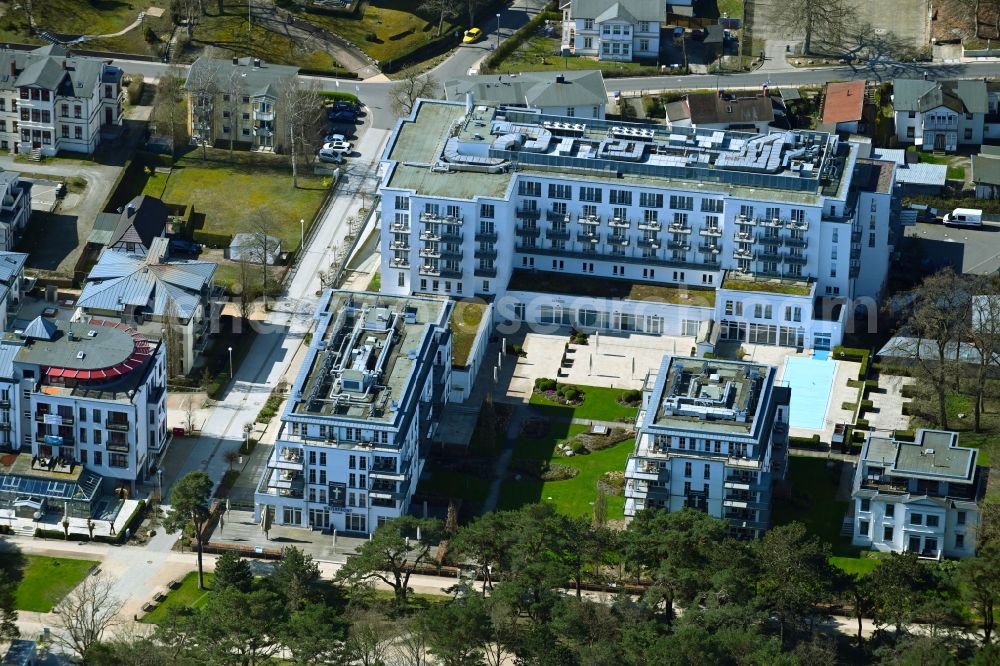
pixel 922 496
pixel 361 414
pixel 613 30
pixel 772 238
pixel 712 436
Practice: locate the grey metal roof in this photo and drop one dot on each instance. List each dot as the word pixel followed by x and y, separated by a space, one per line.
pixel 923 95
pixel 974 95
pixel 109 346
pixel 986 169
pixel 632 10
pixel 257 79
pixel 11 265
pixel 53 68
pixel 922 174
pixel 909 348
pixel 8 350
pixel 935 454
pixel 104 227
pixel 40 329
pixel 119 280
pixel 533 89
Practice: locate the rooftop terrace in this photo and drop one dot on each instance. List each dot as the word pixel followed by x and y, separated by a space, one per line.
pixel 363 354
pixel 549 282
pixel 710 394
pixel 486 144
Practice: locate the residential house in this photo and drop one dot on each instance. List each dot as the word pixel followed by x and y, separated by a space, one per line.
pixel 913 176
pixel 922 496
pixel 986 172
pixel 87 399
pixel 712 436
pixel 721 213
pixel 843 107
pixel 133 229
pixel 579 93
pixel 622 30
pixel 15 207
pixel 11 284
pixel 361 414
pixel 940 115
pixel 714 43
pixel 149 292
pixel 746 112
pixel 52 101
pixel 237 100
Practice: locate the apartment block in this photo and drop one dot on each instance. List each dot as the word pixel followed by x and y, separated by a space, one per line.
pixel 764 237
pixel 622 30
pixel 361 414
pixel 15 208
pixel 89 394
pixel 922 496
pixel 237 100
pixel 712 436
pixel 52 100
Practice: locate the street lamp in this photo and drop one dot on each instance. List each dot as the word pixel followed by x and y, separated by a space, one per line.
pixel 230 362
pixel 498 30
pixel 159 481
pixel 302 234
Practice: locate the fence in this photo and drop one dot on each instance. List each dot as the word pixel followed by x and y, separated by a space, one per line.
pixel 338 276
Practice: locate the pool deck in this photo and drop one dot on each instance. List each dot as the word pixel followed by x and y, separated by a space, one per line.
pixel 840 393
pixel 811 390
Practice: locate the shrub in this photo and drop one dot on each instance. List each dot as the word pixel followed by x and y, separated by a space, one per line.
pixel 862 423
pixel 543 384
pixel 134 88
pixel 867 405
pixel 578 447
pixel 557 472
pixel 909 391
pixel 334 96
pixel 631 397
pixel 571 394
pixel 849 406
pixel 211 239
pixel 804 442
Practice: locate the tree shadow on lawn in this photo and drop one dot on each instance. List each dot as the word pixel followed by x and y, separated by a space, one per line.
pixel 49 239
pixel 542 447
pixel 12 564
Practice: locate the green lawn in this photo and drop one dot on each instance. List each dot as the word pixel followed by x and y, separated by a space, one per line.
pixel 228 33
pixel 92 17
pixel 791 287
pixel 858 566
pixel 599 404
pixel 550 282
pixel 187 594
pixel 399 26
pixel 541 448
pixel 48 579
pixel 227 275
pixel 464 324
pixel 231 194
pixel 574 496
pixel 716 8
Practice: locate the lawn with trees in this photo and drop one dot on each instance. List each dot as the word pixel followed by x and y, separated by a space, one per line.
pixel 700 598
pixel 45 581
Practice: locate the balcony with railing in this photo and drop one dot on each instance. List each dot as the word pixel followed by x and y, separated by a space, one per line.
pixel 288 458
pixel 712 264
pixel 714 232
pixel 743 237
pixel 745 221
pixel 557 234
pixel 770 238
pixel 945 124
pixel 619 223
pixel 618 239
pixel 795 241
pixel 678 228
pixel 400 227
pixel 556 216
pixel 399 245
pixel 54 417
pixel 485 253
pixel 769 253
pixel 529 213
pixel 742 253
pixel 485 271
pixel 709 248
pixel 793 258
pixel 399 262
pixel 443 219
pixel 120 425
pixel 527 231
pixel 649 241
pixel 649 470
pixel 588 237
pixel 650 225
pixel 54 440
pixel 803 225
pixel 770 222
pixel 430 252
pixel 430 235
pixel 486 237
pixel 682 245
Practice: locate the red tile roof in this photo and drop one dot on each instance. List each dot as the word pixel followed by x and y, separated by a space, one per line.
pixel 844 102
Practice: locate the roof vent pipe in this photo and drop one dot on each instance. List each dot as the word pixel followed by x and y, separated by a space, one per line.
pixel 560 78
pixel 468 102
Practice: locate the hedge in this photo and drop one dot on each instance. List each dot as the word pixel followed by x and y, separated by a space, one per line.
pixel 212 239
pixel 909 391
pixel 131 526
pixel 862 356
pixel 905 436
pixel 335 96
pixel 805 442
pixel 514 42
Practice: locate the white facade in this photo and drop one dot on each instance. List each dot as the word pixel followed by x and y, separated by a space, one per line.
pixel 52 101
pixel 921 496
pixel 786 248
pixel 361 415
pixel 115 427
pixel 712 435
pixel 620 31
pixel 15 208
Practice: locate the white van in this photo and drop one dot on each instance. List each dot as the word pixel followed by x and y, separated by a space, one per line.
pixel 966 217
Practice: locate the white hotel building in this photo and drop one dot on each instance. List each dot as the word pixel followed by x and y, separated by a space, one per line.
pixel 361 413
pixel 712 436
pixel 772 235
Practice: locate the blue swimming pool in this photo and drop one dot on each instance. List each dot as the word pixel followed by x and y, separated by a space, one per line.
pixel 811 381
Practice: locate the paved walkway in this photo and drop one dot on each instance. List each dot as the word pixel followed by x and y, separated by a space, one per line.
pixel 503 460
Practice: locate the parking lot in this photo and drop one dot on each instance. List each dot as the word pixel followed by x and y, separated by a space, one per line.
pixel 966 249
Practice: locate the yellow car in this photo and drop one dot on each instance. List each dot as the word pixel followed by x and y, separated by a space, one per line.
pixel 472 35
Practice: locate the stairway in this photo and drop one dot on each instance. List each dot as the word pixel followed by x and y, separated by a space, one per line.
pixel 847 527
pixel 35 155
pixel 25 530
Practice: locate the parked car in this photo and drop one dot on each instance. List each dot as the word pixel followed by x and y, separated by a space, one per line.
pixel 334 138
pixel 968 217
pixel 331 156
pixel 342 147
pixel 344 105
pixel 184 246
pixel 472 35
pixel 343 116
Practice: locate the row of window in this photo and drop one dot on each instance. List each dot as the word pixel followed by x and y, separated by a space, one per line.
pixel 762 311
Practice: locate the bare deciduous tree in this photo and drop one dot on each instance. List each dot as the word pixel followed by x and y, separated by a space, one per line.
pixel 413 86
pixel 441 8
pixel 234 88
pixel 189 415
pixel 86 614
pixel 370 639
pixel 821 20
pixel 984 336
pixel 173 338
pixel 300 110
pixel 247 292
pixel 260 244
pixel 202 86
pixel 169 113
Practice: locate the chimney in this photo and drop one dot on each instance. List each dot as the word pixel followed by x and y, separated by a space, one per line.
pixel 560 78
pixel 256 62
pixel 236 60
pixel 131 210
pixel 468 102
pixel 13 68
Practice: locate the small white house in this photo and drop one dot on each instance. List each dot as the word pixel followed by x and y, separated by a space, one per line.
pixel 940 115
pixel 922 496
pixel 622 30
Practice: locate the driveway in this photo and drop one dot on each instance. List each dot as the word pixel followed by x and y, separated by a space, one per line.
pixel 65 231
